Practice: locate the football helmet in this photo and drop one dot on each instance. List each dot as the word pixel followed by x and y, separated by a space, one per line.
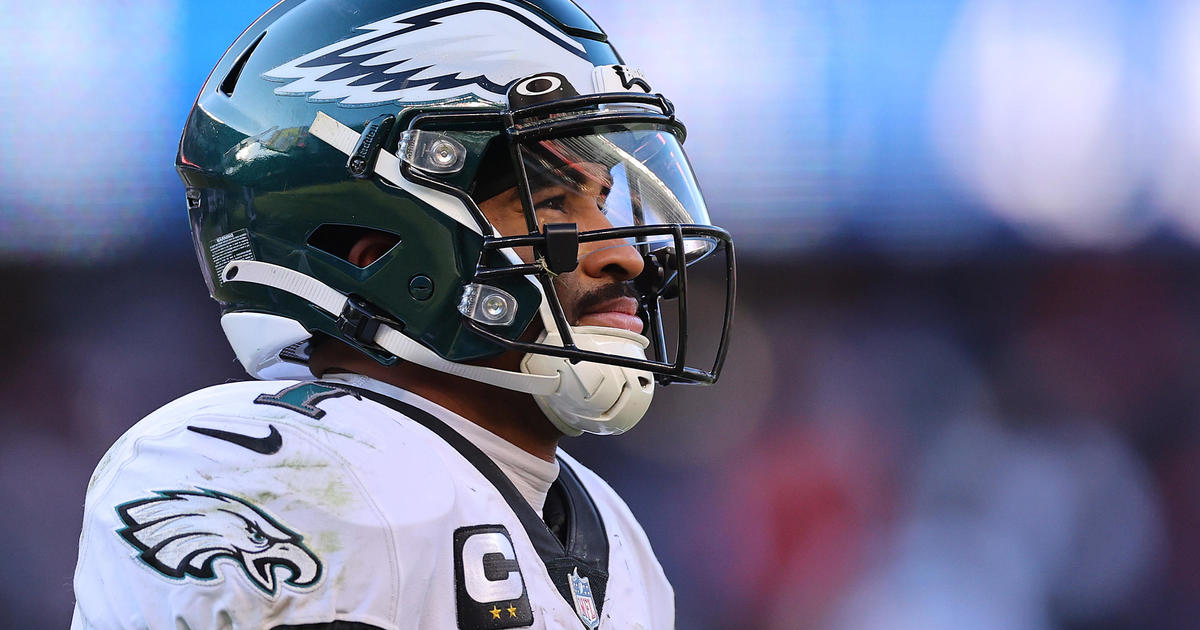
pixel 329 119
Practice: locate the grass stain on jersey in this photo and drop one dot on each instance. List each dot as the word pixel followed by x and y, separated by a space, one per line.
pixel 336 494
pixel 327 542
pixel 296 463
pixel 265 497
pixel 349 436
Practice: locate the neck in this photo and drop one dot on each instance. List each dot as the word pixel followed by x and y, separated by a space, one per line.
pixel 511 415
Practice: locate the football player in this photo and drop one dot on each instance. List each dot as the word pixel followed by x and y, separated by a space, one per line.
pixel 443 235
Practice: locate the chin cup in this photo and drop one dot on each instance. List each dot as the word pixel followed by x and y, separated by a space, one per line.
pixel 594 397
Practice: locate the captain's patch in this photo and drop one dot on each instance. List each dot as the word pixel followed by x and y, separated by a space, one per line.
pixel 489 587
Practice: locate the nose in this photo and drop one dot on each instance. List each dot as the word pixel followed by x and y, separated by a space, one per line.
pixel 616 260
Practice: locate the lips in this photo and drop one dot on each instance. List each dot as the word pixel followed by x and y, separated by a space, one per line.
pixel 616 313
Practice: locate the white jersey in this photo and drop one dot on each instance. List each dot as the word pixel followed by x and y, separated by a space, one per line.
pixel 265 504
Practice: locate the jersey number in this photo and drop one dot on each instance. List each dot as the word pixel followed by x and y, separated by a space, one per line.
pixel 303 398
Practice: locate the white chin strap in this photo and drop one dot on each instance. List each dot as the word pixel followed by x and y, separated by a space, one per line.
pixel 594 397
pixel 577 397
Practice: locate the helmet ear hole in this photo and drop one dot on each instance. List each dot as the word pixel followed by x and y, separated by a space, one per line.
pixel 357 245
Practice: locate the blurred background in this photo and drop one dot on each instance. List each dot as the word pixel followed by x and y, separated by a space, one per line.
pixel 966 367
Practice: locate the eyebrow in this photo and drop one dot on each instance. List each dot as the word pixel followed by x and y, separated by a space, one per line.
pixel 562 189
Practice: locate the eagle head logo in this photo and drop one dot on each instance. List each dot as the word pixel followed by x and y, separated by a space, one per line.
pixel 182 533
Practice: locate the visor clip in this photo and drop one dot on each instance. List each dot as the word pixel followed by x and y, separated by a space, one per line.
pixel 653 277
pixel 360 321
pixel 561 247
pixel 361 162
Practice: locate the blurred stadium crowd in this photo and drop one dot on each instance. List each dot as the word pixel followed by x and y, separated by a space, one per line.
pixel 965 376
pixel 999 443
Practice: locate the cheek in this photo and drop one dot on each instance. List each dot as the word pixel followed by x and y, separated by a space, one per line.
pixel 511 224
pixel 568 290
pixel 525 253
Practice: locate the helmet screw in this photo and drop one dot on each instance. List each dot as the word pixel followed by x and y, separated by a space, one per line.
pixel 443 153
pixel 495 307
pixel 421 287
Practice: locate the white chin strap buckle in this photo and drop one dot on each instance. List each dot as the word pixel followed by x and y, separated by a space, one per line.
pixel 594 397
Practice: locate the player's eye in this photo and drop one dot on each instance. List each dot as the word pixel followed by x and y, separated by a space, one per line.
pixel 602 200
pixel 557 203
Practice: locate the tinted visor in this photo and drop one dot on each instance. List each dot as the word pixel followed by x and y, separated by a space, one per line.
pixel 620 176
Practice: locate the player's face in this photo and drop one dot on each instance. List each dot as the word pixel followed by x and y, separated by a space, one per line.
pixel 597 292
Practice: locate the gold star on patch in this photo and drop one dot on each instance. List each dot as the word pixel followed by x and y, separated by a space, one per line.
pixel 512 611
pixel 495 612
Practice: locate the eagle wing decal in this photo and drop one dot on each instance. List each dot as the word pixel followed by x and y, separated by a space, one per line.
pixel 455 49
pixel 182 533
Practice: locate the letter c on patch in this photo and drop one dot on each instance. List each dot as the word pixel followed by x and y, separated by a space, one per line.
pixel 490 572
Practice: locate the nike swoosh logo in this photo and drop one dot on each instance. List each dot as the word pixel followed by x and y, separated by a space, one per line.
pixel 268 445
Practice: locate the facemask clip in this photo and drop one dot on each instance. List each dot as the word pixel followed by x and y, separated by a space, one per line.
pixel 562 247
pixel 361 162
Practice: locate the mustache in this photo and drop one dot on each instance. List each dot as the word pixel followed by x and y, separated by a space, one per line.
pixel 606 293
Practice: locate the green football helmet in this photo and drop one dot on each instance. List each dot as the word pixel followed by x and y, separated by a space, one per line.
pixel 330 119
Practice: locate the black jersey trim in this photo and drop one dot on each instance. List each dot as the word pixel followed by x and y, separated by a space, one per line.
pixel 586 546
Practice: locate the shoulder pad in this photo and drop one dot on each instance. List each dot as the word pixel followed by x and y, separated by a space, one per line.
pixel 218 500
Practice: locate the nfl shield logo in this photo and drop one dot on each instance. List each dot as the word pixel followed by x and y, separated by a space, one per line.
pixel 585 606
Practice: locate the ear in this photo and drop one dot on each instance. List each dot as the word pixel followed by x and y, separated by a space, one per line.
pixel 368 248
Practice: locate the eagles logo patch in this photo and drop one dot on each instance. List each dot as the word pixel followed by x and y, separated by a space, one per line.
pixel 183 533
